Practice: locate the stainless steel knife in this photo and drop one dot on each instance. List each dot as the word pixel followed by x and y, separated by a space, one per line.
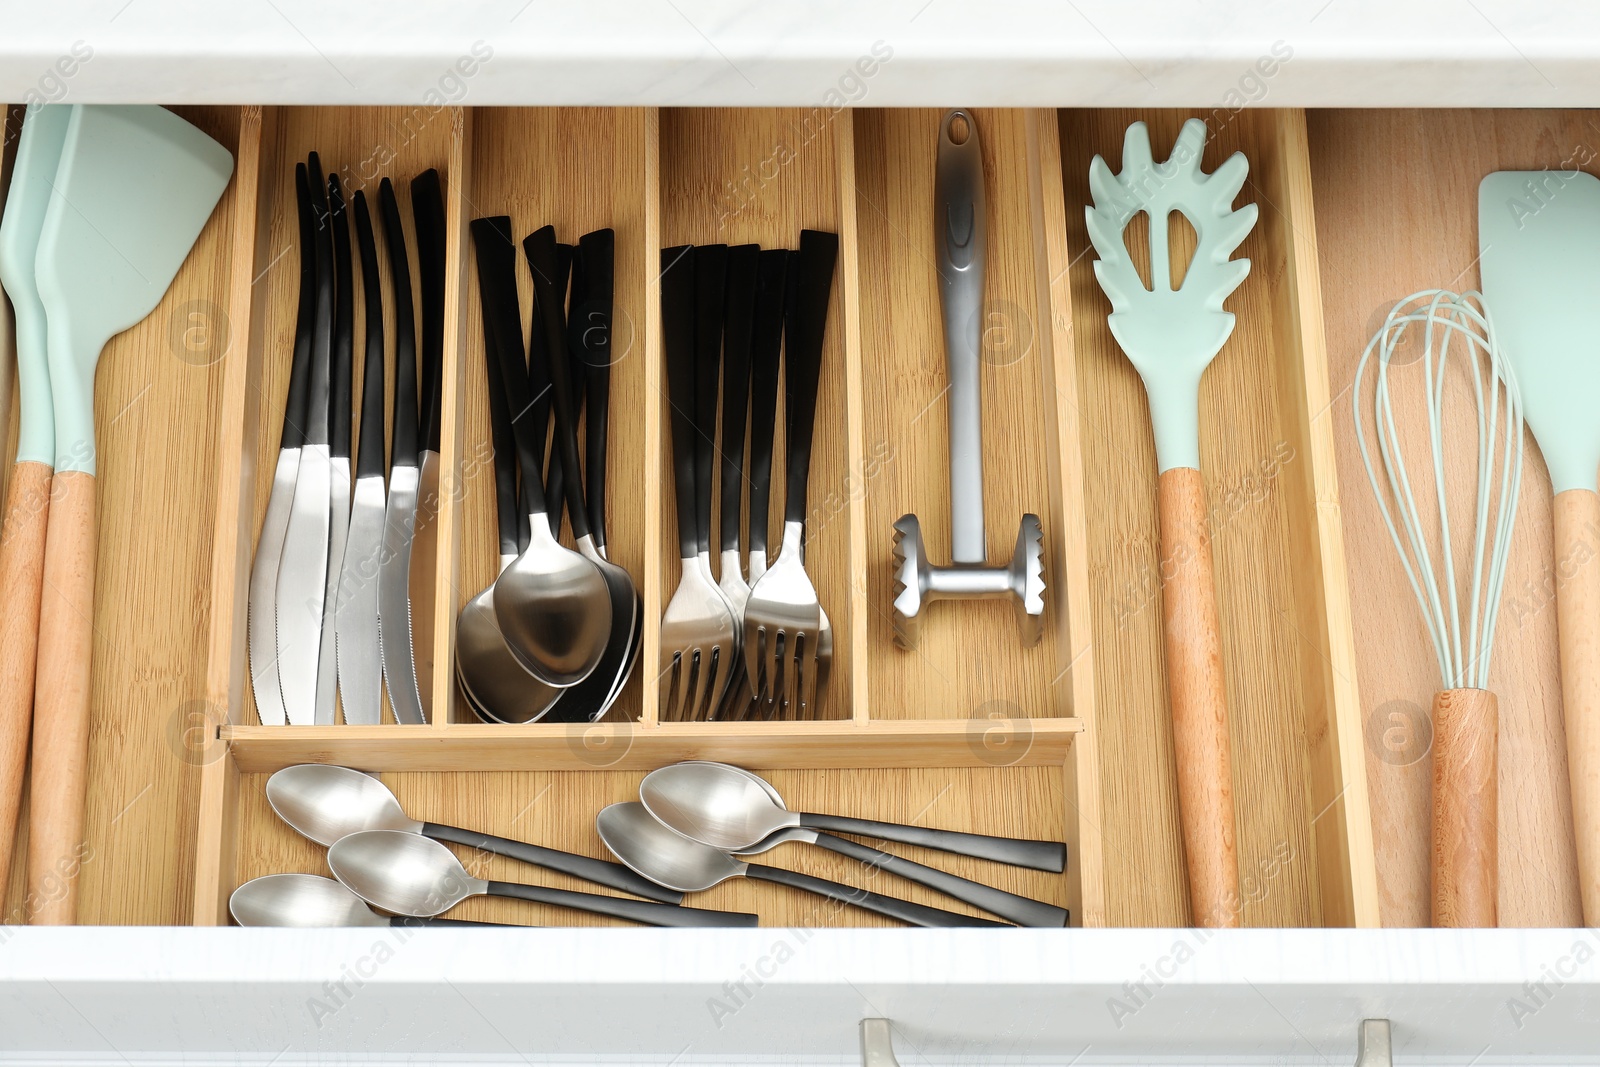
pixel 356 643
pixel 303 571
pixel 394 568
pixel 338 450
pixel 427 211
pixel 263 623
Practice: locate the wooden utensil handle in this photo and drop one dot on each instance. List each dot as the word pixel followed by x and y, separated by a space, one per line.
pixel 1198 698
pixel 1466 854
pixel 21 577
pixel 1577 529
pixel 56 846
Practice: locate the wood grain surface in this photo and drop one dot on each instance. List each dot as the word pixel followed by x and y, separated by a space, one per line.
pixel 1272 645
pixel 1397 213
pixel 1466 857
pixel 1197 698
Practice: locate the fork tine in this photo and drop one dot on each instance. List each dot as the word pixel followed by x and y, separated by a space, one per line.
pixel 728 706
pixel 704 663
pixel 777 661
pixel 721 679
pixel 772 658
pixel 808 682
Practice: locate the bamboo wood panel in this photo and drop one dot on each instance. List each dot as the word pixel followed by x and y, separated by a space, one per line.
pixel 557 810
pixel 969 662
pixel 362 146
pixel 156 392
pixel 626 745
pixel 762 175
pixel 1397 213
pixel 584 177
pixel 1246 445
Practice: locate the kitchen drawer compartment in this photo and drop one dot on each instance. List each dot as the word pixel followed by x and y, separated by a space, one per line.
pixel 740 176
pixel 1264 455
pixel 362 146
pixel 159 440
pixel 969 662
pixel 566 168
pixel 557 809
pixel 668 177
pixel 1395 216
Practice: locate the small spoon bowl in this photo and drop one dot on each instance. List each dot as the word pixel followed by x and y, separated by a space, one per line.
pixel 490 673
pixel 299 900
pixel 325 803
pixel 402 873
pixel 554 609
pixel 728 808
pixel 635 837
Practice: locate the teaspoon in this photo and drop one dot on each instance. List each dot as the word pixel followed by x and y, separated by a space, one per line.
pixel 412 875
pixel 312 900
pixel 730 808
pixel 325 803
pixel 637 839
pixel 553 604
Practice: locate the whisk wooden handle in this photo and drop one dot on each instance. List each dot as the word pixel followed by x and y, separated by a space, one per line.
pixel 1198 698
pixel 1466 795
pixel 1577 531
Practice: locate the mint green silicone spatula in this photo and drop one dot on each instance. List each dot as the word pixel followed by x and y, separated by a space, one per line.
pixel 132 192
pixel 27 511
pixel 1539 235
pixel 1171 335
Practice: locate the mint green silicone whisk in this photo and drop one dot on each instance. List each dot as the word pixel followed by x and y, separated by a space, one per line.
pixel 1458 340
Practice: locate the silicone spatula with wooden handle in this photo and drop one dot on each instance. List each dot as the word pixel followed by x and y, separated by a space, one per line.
pixel 1171 335
pixel 134 188
pixel 27 511
pixel 1539 235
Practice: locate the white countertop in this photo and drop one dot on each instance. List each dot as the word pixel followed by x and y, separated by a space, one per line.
pixel 1189 53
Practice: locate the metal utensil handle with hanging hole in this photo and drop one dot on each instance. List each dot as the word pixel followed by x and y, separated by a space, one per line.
pixel 960 239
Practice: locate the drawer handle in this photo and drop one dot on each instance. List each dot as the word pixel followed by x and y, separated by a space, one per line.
pixel 1373 1049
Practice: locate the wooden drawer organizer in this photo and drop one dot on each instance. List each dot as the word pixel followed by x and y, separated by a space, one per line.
pixel 1070 740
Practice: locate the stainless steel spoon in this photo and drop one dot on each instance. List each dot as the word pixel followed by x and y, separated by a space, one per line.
pixel 412 875
pixel 637 839
pixel 553 604
pixel 494 681
pixel 1024 911
pixel 730 808
pixel 312 900
pixel 325 803
pixel 588 699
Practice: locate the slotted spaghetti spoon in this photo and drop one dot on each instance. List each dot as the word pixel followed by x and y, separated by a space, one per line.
pixel 1539 235
pixel 1171 336
pixel 134 188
